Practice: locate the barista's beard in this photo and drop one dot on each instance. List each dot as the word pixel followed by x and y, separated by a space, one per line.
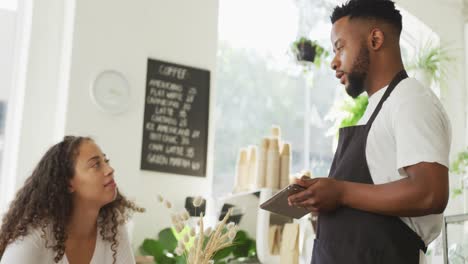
pixel 358 73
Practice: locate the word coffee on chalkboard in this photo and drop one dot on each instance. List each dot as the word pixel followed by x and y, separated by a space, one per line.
pixel 175 125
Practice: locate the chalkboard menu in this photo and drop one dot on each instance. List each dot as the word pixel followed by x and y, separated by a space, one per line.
pixel 175 126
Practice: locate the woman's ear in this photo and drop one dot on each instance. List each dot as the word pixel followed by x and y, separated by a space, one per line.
pixel 376 38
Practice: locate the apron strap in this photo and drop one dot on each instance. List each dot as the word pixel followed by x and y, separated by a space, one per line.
pixel 396 80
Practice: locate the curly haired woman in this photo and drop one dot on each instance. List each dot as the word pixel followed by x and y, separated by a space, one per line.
pixel 69 211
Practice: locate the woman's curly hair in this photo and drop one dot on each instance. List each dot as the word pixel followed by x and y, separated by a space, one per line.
pixel 45 202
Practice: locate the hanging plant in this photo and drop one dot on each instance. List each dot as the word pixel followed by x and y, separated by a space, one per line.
pixel 307 50
pixel 432 63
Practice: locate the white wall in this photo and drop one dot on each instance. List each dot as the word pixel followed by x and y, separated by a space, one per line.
pixel 121 35
pixel 7 37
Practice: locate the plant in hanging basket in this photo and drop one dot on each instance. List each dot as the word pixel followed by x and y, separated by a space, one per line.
pixel 305 50
pixel 308 50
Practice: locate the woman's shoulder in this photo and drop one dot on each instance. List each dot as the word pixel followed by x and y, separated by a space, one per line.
pixel 30 248
pixel 36 237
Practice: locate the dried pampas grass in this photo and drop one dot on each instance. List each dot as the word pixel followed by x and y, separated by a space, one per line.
pixel 200 244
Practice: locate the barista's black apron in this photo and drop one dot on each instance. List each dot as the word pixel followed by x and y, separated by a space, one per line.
pixel 350 236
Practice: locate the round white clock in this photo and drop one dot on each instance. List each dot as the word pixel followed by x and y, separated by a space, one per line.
pixel 110 91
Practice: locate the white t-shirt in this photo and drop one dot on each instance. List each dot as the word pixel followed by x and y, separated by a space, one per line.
pixel 31 249
pixel 411 127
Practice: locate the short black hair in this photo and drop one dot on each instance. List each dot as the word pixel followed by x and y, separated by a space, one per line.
pixel 371 9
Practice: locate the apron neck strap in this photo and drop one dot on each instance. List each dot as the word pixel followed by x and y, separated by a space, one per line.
pixel 396 80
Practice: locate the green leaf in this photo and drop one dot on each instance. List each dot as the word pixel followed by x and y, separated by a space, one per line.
pixel 180 236
pixel 460 164
pixel 223 253
pixel 241 250
pixel 142 251
pixel 166 260
pixel 241 236
pixel 355 108
pixel 252 248
pixel 153 248
pixel 456 192
pixel 167 239
pixel 242 245
pixel 180 260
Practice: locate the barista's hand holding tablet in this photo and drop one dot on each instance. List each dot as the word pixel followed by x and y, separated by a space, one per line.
pixel 320 194
pixel 279 203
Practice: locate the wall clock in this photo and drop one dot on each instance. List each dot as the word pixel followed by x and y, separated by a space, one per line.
pixel 110 91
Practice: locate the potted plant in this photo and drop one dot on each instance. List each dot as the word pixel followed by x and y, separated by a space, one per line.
pixel 355 109
pixel 191 242
pixel 347 113
pixel 459 167
pixel 430 65
pixel 163 248
pixel 307 50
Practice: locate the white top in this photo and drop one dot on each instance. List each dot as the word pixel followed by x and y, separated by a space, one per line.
pixel 31 249
pixel 411 127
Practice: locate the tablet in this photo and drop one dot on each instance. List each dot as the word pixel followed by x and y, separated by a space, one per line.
pixel 278 204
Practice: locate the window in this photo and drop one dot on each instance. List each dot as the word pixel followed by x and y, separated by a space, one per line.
pixel 260 84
